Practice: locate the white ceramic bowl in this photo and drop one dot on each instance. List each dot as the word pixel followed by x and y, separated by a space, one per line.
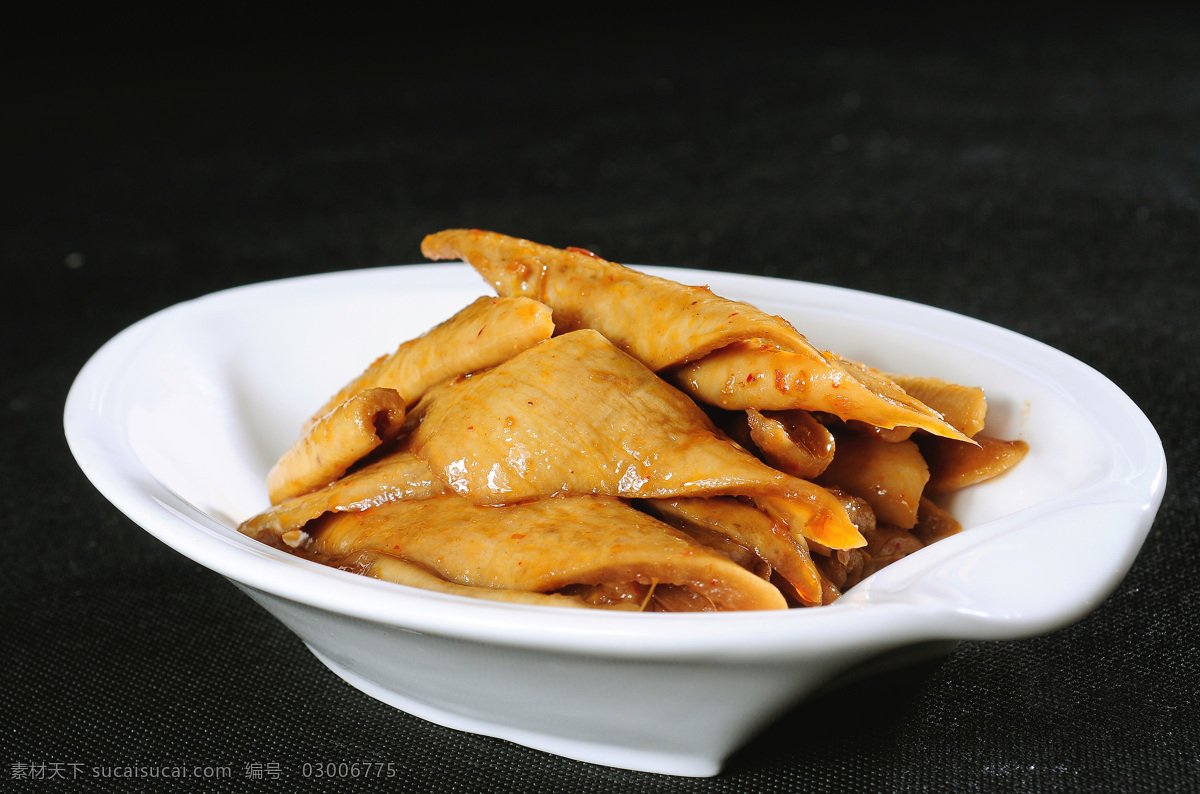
pixel 178 418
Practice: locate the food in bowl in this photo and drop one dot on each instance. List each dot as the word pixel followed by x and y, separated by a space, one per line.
pixel 598 437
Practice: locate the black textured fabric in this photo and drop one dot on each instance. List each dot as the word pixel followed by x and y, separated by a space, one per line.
pixel 1041 172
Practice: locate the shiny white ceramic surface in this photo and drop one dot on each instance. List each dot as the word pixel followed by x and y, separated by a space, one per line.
pixel 178 418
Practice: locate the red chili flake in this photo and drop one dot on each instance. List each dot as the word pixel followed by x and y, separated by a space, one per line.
pixel 584 251
pixel 517 535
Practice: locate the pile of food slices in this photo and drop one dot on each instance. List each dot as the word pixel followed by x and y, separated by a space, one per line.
pixel 598 437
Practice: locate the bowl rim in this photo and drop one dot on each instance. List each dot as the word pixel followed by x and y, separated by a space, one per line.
pixel 1127 496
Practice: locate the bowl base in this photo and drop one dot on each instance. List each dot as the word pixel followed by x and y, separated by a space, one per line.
pixel 590 752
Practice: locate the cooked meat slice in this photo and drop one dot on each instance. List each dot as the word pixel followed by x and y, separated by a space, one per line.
pixel 749 528
pixel 791 441
pixel 575 415
pixel 661 323
pixel 964 407
pixel 665 324
pixel 755 374
pixel 483 334
pixel 398 475
pixel 954 465
pixel 890 476
pixel 544 547
pixel 336 442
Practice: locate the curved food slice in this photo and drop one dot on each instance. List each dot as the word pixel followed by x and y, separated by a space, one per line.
pixel 763 376
pixel 336 442
pixel 787 554
pixel 399 475
pixel 661 323
pixel 964 407
pixel 483 334
pixel 398 571
pixel 816 515
pixel 575 415
pixel 890 476
pixel 953 465
pixel 791 441
pixel 665 324
pixel 543 547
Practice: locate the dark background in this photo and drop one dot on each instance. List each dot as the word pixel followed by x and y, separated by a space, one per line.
pixel 1037 169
